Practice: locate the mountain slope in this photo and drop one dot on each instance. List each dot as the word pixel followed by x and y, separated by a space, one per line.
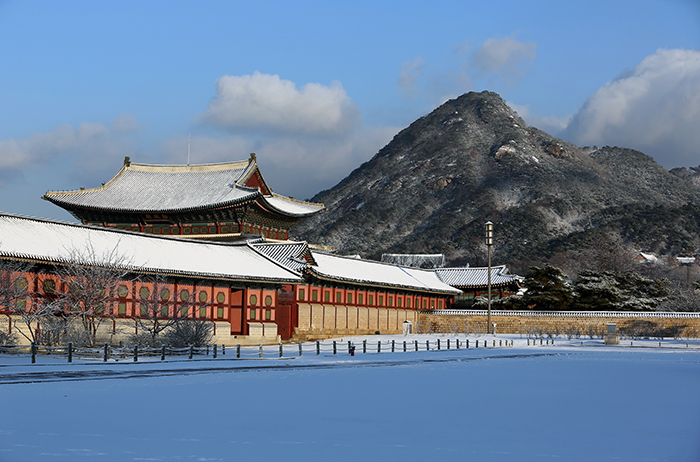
pixel 432 188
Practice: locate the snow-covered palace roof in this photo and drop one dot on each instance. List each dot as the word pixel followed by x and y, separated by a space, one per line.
pixel 142 188
pixel 48 241
pixel 469 277
pixel 374 273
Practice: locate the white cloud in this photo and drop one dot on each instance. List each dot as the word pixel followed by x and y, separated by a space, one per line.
pixel 411 71
pixel 552 125
pixel 506 57
pixel 295 166
pixel 655 108
pixel 267 103
pixel 90 149
pixel 125 123
pixel 494 62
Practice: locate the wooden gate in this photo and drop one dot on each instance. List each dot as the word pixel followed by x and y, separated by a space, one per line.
pixel 286 313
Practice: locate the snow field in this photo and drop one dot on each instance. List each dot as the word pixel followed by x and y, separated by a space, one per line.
pixel 561 402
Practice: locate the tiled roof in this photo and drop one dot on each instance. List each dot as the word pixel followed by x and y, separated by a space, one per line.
pixel 293 207
pixel 292 255
pixel 475 277
pixel 57 242
pixel 176 188
pixel 415 260
pixel 374 273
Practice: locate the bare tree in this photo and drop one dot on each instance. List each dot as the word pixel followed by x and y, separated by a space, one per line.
pixel 15 296
pixel 190 332
pixel 91 282
pixel 681 300
pixel 609 253
pixel 160 311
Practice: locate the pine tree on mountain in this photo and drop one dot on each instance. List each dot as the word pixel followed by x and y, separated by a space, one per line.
pixel 618 291
pixel 547 289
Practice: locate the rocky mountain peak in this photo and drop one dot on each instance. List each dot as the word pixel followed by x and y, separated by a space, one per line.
pixel 471 160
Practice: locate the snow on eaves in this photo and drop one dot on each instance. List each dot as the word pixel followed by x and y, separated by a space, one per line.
pixel 374 273
pixel 50 241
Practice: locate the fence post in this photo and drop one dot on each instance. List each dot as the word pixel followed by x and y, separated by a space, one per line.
pixel 215 348
pixel 106 352
pixel 238 350
pixel 281 351
pixel 404 346
pixel 207 350
pixel 379 346
pixel 438 344
pixel 477 343
pixel 162 352
pixel 261 350
pixel 349 346
pixel 448 344
pixel 223 349
pixel 364 346
pixel 392 346
pixel 191 350
pixel 33 350
pixel 334 347
pixel 416 342
pixel 427 345
pixel 467 344
pixel 300 352
pixel 457 343
pixel 318 348
pixel 70 352
pixel 136 353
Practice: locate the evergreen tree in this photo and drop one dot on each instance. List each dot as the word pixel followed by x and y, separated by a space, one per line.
pixel 618 291
pixel 547 289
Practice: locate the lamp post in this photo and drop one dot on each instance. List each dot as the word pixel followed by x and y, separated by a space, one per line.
pixel 489 243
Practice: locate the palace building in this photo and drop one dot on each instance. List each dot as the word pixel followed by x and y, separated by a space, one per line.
pixel 211 201
pixel 252 291
pixel 235 268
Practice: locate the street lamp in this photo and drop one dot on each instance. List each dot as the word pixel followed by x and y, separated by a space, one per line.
pixel 489 243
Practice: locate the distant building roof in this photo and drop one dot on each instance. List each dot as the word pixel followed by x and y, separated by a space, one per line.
pixel 467 278
pixel 47 241
pixel 374 273
pixel 415 260
pixel 180 188
pixel 647 258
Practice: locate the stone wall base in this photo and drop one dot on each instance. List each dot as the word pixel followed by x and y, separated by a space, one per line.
pixel 635 325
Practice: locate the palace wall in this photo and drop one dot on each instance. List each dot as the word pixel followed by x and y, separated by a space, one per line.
pixel 561 322
pixel 319 321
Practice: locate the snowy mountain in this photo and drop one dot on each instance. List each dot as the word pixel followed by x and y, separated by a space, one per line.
pixel 472 160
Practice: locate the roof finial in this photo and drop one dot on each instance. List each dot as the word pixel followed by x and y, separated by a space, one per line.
pixel 252 156
pixel 127 161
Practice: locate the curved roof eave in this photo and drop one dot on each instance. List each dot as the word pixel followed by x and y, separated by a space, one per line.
pixel 254 194
pixel 380 284
pixel 318 207
pixel 164 272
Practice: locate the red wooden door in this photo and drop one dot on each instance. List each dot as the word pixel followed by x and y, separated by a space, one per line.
pixel 284 312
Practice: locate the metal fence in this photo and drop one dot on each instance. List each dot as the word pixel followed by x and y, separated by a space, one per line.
pixel 109 353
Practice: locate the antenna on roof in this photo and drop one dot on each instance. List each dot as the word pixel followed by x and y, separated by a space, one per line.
pixel 188 150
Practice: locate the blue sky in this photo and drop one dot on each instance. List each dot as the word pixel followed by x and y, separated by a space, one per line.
pixel 317 88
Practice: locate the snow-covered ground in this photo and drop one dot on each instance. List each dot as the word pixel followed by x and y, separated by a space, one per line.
pixel 523 403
